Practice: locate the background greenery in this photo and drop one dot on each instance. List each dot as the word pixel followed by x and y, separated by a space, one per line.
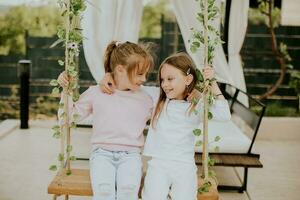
pixel 43 21
pixel 39 21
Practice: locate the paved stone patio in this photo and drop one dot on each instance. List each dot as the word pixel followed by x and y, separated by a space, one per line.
pixel 25 156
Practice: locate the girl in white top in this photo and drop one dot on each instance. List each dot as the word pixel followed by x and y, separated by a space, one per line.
pixel 170 140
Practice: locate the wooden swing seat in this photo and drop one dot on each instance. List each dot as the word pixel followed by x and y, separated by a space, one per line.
pixel 78 183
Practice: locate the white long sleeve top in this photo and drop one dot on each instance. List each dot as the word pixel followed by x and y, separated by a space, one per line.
pixel 172 138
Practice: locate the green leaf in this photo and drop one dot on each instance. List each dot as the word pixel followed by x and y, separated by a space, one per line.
pixel 195 101
pixel 55 91
pixel 54 82
pixel 217 138
pixel 212 15
pixel 198 36
pixel 71 68
pixel 73 158
pixel 74 85
pixel 75 36
pixel 63 114
pixel 204 188
pixel 53 168
pixel 211 28
pixel 69 148
pixel 61 63
pixel 199 75
pixel 196 44
pixel 210 115
pixel 199 143
pixel 73 125
pixel 211 173
pixel 61 33
pixel 73 73
pixel 200 17
pixel 60 157
pixel 197 132
pixel 69 172
pixel 217 149
pixel 64 13
pixel 211 162
pixel 193 49
pixel 76 97
pixel 57 134
pixel 56 128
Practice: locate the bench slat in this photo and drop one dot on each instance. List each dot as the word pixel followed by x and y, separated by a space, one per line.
pixel 232 160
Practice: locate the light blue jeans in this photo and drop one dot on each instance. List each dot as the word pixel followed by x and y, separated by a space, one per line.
pixel 115 175
pixel 165 177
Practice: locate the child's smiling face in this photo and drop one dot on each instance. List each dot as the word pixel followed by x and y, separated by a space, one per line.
pixel 173 82
pixel 139 77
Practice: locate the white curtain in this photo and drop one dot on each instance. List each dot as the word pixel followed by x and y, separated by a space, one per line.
pixel 237 30
pixel 107 20
pixel 186 13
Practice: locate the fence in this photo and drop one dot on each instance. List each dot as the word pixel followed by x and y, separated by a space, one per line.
pixel 260 68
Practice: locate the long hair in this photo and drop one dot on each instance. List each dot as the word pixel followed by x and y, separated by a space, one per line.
pixel 134 57
pixel 184 63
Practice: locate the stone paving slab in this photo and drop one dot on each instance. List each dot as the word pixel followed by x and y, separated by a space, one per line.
pixel 25 156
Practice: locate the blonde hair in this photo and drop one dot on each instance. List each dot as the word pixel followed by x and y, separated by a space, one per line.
pixel 136 58
pixel 184 63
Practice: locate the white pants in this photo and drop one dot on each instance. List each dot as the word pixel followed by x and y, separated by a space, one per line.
pixel 115 175
pixel 174 177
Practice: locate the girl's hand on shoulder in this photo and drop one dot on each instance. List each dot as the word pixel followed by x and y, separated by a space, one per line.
pixel 107 84
pixel 194 96
pixel 63 80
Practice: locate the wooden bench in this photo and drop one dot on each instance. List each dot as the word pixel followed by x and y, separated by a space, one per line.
pixel 252 120
pixel 78 183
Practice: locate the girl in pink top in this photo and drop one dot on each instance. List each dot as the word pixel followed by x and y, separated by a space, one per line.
pixel 118 122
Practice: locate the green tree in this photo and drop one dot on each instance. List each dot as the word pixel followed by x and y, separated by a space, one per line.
pixel 272 14
pixel 150 25
pixel 39 21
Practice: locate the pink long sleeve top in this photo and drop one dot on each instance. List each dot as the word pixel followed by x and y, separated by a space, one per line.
pixel 118 119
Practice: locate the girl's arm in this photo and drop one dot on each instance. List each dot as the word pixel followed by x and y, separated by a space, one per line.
pixel 107 85
pixel 78 110
pixel 220 108
pixel 153 92
pixel 216 91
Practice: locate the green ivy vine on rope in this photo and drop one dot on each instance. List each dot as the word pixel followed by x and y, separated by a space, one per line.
pixel 207 38
pixel 70 36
